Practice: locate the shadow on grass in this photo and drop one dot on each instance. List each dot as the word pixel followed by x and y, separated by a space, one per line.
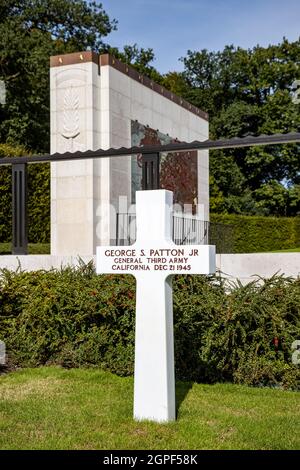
pixel 182 389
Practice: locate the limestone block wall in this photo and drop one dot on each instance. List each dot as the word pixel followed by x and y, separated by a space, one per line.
pixel 130 100
pixel 94 100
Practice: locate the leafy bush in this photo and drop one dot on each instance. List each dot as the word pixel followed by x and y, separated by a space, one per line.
pixel 74 317
pixel 258 234
pixel 38 198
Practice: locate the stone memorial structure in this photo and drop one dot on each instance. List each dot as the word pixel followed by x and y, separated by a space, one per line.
pixel 99 102
pixel 153 259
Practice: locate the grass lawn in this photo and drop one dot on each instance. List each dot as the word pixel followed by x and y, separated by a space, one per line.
pixel 33 248
pixel 291 250
pixel 53 408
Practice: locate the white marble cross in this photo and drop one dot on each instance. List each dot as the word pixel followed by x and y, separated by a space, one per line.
pixel 153 259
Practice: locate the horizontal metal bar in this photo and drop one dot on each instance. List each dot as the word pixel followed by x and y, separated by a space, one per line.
pixel 236 142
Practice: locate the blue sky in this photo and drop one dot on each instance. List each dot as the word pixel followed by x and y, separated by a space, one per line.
pixel 171 27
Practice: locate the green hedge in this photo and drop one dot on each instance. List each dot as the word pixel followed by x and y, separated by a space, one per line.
pixel 255 234
pixel 76 318
pixel 38 198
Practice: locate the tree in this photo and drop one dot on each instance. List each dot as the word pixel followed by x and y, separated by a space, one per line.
pixel 139 58
pixel 249 92
pixel 30 32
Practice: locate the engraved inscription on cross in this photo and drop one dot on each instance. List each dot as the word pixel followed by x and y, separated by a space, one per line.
pixel 153 259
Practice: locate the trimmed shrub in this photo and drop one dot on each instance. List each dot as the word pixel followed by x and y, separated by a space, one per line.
pixel 251 234
pixel 74 317
pixel 38 198
pixel 297 231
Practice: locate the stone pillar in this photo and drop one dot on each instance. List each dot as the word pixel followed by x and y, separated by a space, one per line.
pixel 75 100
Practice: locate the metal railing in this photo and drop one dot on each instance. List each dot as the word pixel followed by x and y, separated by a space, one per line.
pixel 190 230
pixel 125 229
pixel 187 229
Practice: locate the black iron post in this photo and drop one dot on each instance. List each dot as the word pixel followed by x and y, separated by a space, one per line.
pixel 150 171
pixel 19 209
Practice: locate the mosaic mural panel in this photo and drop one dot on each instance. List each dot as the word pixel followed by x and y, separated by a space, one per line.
pixel 178 170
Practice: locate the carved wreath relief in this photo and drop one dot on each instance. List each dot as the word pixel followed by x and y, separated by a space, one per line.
pixel 71 119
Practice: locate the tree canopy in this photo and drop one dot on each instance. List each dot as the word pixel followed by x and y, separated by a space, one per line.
pixel 30 32
pixel 248 92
